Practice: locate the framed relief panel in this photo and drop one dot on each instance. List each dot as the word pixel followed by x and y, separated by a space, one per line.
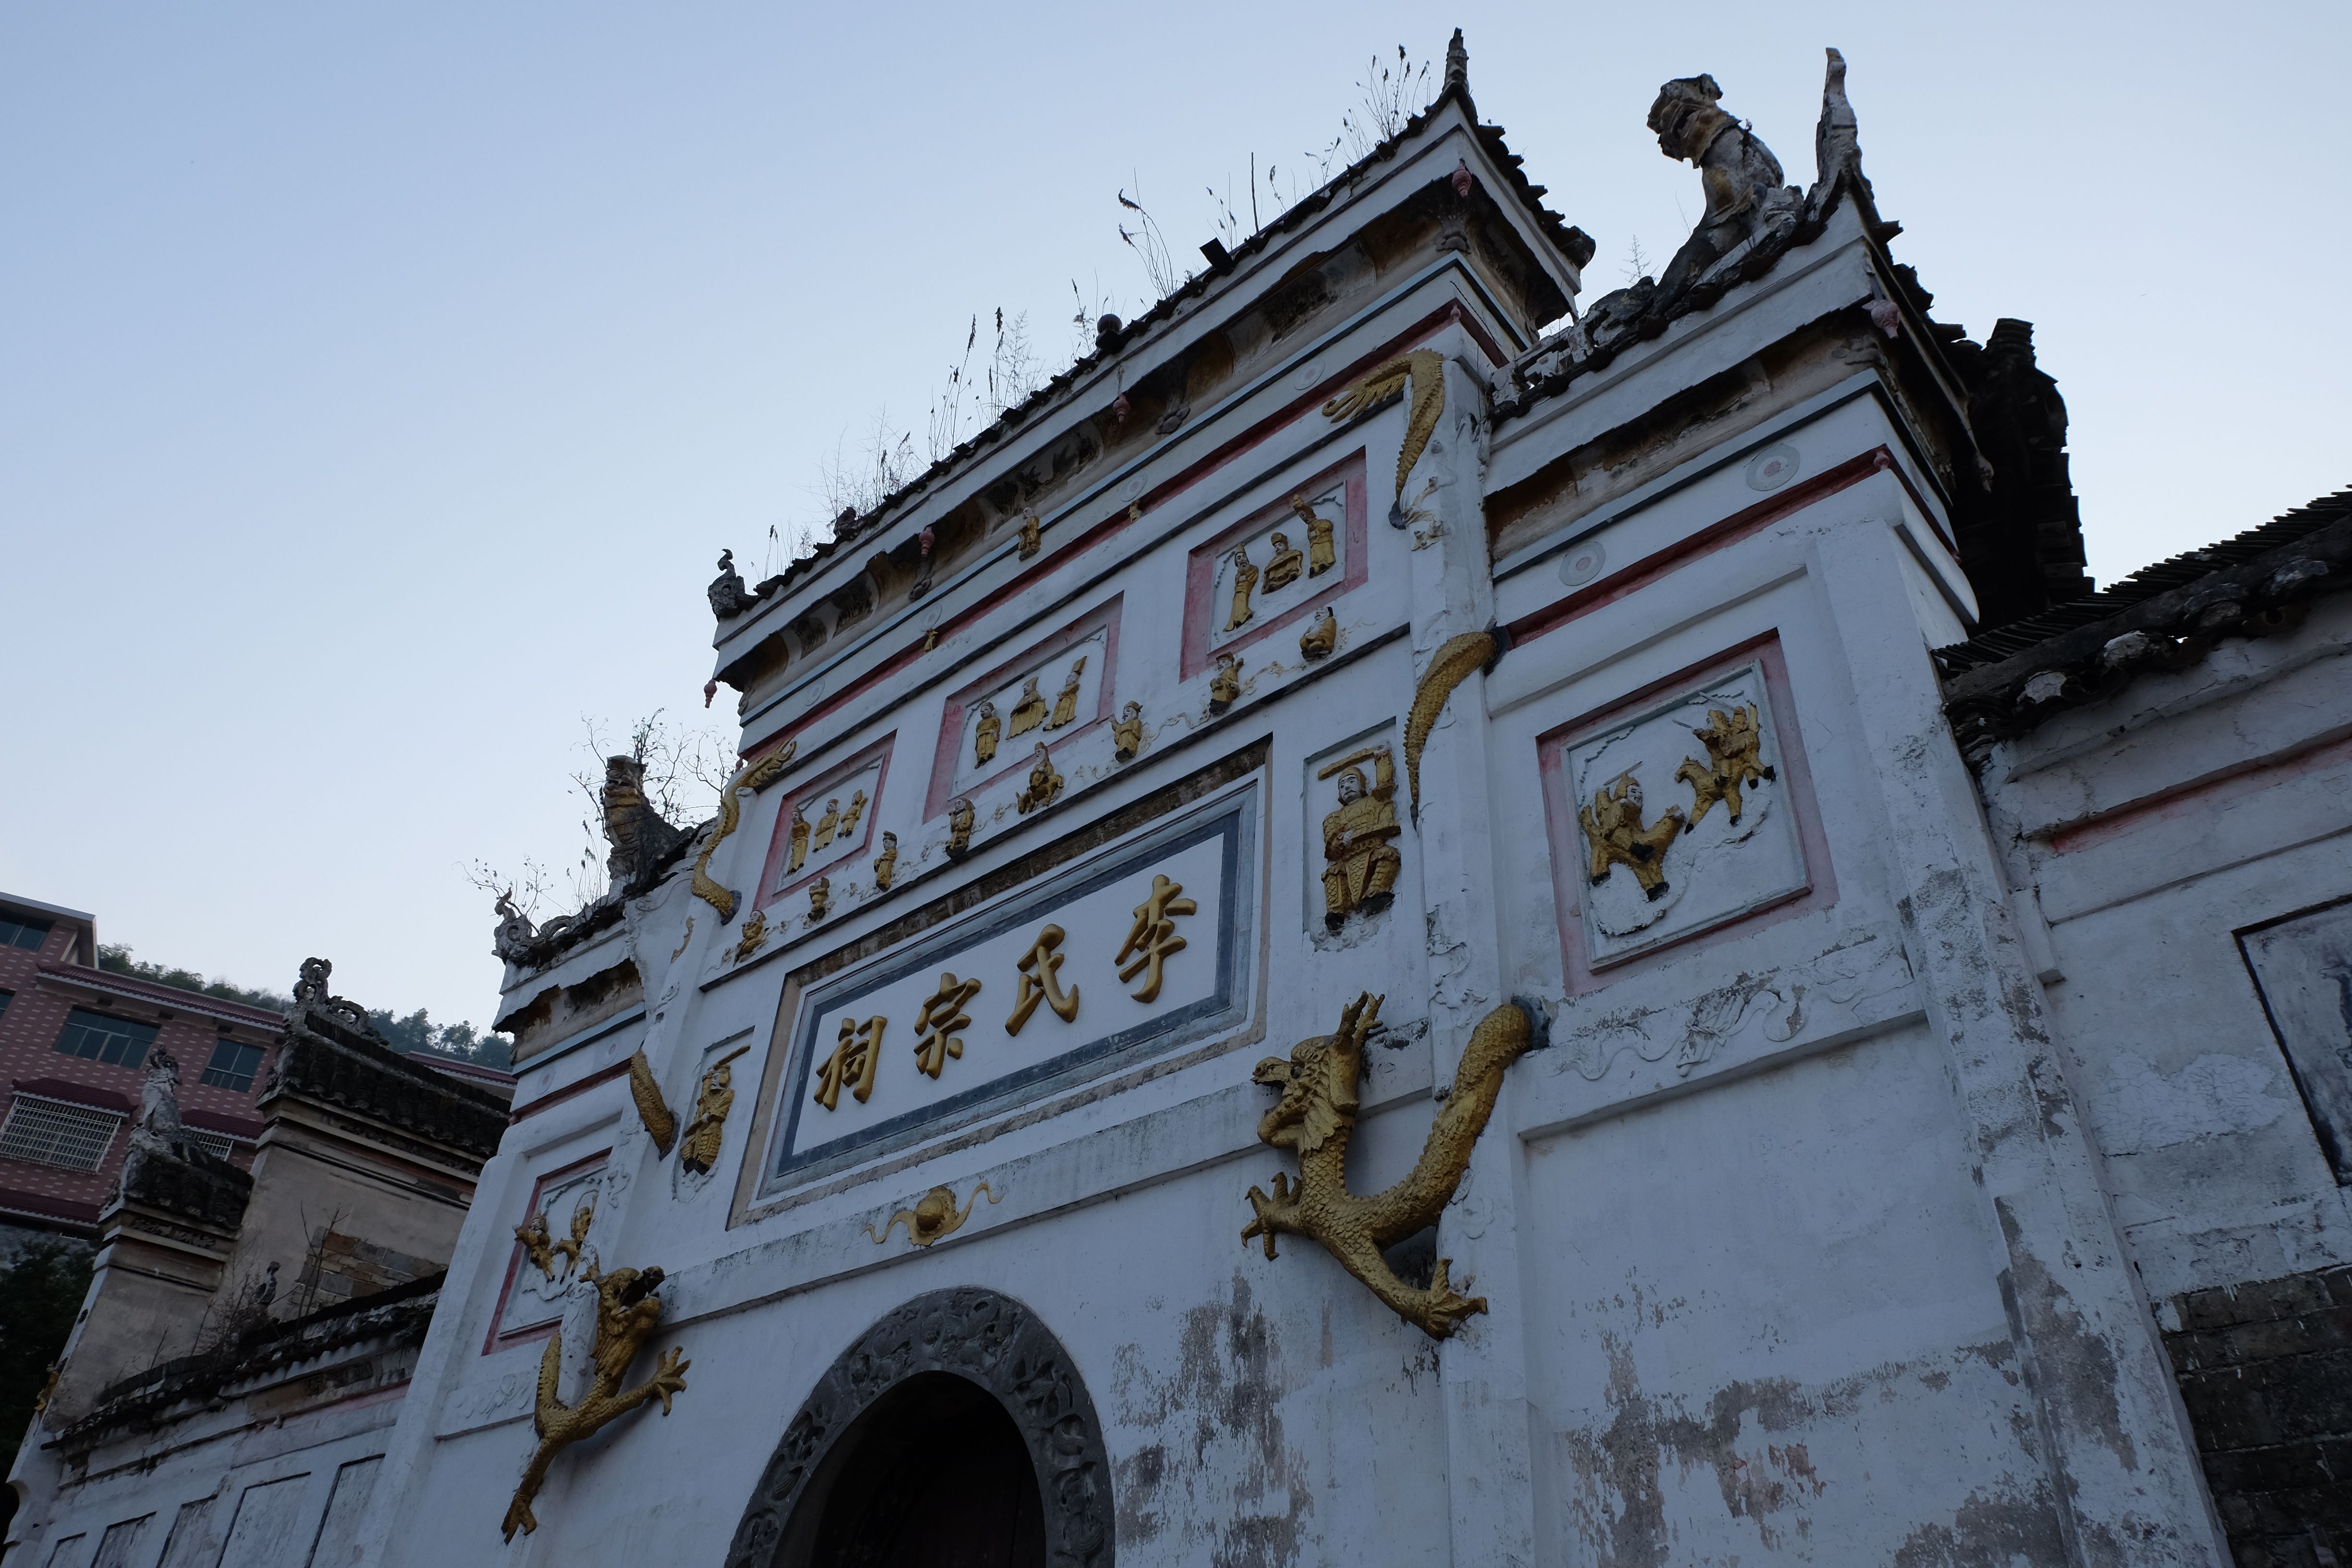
pixel 1276 565
pixel 824 822
pixel 2302 968
pixel 555 1251
pixel 1681 810
pixel 1049 695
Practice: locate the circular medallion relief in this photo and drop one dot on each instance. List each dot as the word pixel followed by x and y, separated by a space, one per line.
pixel 1582 562
pixel 1773 466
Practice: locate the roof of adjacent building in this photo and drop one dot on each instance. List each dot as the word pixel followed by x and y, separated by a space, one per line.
pixel 2007 679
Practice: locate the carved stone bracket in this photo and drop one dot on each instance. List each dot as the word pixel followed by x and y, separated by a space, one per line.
pixel 986 1339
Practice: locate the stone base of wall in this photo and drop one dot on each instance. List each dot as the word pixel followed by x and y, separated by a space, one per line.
pixel 2265 1370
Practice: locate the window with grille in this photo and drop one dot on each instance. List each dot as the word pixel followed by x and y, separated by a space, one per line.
pixel 27 934
pixel 50 1132
pixel 94 1037
pixel 233 1065
pixel 217 1144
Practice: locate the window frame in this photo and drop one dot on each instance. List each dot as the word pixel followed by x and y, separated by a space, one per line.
pixel 52 1107
pixel 229 1079
pixel 129 1030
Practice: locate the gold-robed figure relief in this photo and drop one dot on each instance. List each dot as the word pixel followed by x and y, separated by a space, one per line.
pixel 983 744
pixel 574 1248
pixel 1031 535
pixel 1030 712
pixel 699 1144
pixel 1362 863
pixel 1126 734
pixel 1614 831
pixel 826 825
pixel 627 1312
pixel 1244 580
pixel 799 856
pixel 960 818
pixel 1321 636
pixel 934 1215
pixel 820 899
pixel 1316 1117
pixel 1225 685
pixel 753 936
pixel 1321 556
pixel 852 815
pixel 1045 785
pixel 1288 564
pixel 1066 704
pixel 886 865
pixel 1733 742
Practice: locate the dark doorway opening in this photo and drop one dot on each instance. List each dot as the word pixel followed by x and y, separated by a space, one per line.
pixel 934 1475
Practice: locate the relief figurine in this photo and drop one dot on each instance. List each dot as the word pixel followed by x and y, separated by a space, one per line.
pixel 1612 826
pixel 983 745
pixel 856 813
pixel 627 1312
pixel 755 935
pixel 820 899
pixel 574 1248
pixel 1126 734
pixel 1284 569
pixel 1320 554
pixel 886 865
pixel 1732 741
pixel 1741 181
pixel 934 1215
pixel 1316 1117
pixel 1360 873
pixel 1031 540
pixel 1030 712
pixel 1066 705
pixel 698 1146
pixel 1321 636
pixel 1045 784
pixel 538 1245
pixel 800 841
pixel 1244 579
pixel 1225 686
pixel 827 824
pixel 960 817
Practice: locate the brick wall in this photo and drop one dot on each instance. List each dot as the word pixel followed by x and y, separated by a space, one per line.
pixel 2265 1370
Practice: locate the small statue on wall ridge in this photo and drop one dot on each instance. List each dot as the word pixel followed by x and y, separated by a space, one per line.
pixel 1321 1083
pixel 627 1312
pixel 1746 195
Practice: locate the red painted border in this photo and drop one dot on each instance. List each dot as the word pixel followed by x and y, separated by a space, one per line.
pixel 1201 567
pixel 1640 574
pixel 1451 313
pixel 780 840
pixel 496 1342
pixel 1103 616
pixel 1567 838
pixel 2200 794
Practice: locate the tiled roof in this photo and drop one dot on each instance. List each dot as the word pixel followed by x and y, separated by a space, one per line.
pixel 2006 680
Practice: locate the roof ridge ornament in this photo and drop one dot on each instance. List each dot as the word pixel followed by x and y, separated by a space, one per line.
pixel 1457 64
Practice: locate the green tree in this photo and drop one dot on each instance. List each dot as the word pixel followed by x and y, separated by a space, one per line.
pixel 40 1293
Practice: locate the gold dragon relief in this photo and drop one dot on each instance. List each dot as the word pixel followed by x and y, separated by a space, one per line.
pixel 1321 1083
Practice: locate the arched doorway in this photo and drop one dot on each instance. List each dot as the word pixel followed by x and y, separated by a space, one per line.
pixel 954 1434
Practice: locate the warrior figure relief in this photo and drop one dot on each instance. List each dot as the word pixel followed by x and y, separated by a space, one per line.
pixel 1363 871
pixel 698 1150
pixel 1045 784
pixel 1127 732
pixel 800 839
pixel 850 818
pixel 1065 706
pixel 1732 741
pixel 886 865
pixel 960 818
pixel 1225 685
pixel 827 824
pixel 1612 826
pixel 1030 712
pixel 985 743
pixel 1244 579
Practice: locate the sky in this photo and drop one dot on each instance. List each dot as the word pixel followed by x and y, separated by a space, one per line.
pixel 378 385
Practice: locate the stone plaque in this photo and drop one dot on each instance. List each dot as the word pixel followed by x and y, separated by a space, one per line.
pixel 2302 966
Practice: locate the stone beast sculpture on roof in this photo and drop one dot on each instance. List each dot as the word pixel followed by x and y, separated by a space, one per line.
pixel 1746 197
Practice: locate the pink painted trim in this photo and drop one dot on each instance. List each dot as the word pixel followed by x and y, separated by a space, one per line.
pixel 1567 838
pixel 497 1342
pixel 1201 567
pixel 1103 617
pixel 780 841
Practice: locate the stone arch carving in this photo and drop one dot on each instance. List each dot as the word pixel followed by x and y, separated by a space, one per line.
pixel 987 1339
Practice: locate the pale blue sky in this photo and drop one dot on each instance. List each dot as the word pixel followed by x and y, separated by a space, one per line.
pixel 377 384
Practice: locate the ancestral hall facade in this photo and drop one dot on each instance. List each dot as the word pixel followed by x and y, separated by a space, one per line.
pixel 1370 932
